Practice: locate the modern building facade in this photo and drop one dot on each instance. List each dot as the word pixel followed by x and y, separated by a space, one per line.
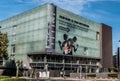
pixel 116 58
pixel 115 61
pixel 55 40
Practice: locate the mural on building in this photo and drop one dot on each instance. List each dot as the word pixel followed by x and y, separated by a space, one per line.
pixel 68 46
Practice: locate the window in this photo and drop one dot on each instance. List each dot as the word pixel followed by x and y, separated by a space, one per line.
pixel 85 50
pixel 13 48
pixel 14 25
pixel 14 30
pixel 97 36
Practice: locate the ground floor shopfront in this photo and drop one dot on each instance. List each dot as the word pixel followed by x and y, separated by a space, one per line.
pixel 55 65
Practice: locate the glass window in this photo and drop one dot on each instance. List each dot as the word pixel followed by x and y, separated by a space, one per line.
pixel 97 35
pixel 13 48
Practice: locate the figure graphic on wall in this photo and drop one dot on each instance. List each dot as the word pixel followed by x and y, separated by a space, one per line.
pixel 68 45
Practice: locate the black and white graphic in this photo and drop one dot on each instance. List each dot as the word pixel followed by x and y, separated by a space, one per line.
pixel 68 46
pixel 50 46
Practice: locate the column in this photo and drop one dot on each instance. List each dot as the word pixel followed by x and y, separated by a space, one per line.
pixel 90 67
pixel 45 59
pixel 78 68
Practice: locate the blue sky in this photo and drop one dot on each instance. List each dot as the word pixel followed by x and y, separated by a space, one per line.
pixel 101 11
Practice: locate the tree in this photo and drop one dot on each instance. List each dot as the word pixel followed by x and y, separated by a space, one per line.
pixel 3 46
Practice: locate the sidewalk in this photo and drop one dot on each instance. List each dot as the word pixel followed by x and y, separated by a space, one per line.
pixel 72 79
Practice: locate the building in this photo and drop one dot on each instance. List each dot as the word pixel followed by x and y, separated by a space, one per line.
pixel 106 46
pixel 115 61
pixel 116 58
pixel 53 39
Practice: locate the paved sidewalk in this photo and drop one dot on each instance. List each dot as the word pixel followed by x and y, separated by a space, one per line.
pixel 72 79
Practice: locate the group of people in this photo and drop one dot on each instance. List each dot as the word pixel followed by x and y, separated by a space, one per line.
pixel 68 45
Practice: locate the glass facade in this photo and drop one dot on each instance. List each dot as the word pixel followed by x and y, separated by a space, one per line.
pixel 76 35
pixel 29 32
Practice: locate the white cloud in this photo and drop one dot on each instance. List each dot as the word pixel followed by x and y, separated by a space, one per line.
pixel 27 1
pixel 75 6
pixel 102 11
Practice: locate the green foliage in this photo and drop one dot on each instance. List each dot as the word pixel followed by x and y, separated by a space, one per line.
pixel 118 69
pixel 113 75
pixel 13 79
pixel 114 69
pixel 3 77
pixel 3 45
pixel 91 75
